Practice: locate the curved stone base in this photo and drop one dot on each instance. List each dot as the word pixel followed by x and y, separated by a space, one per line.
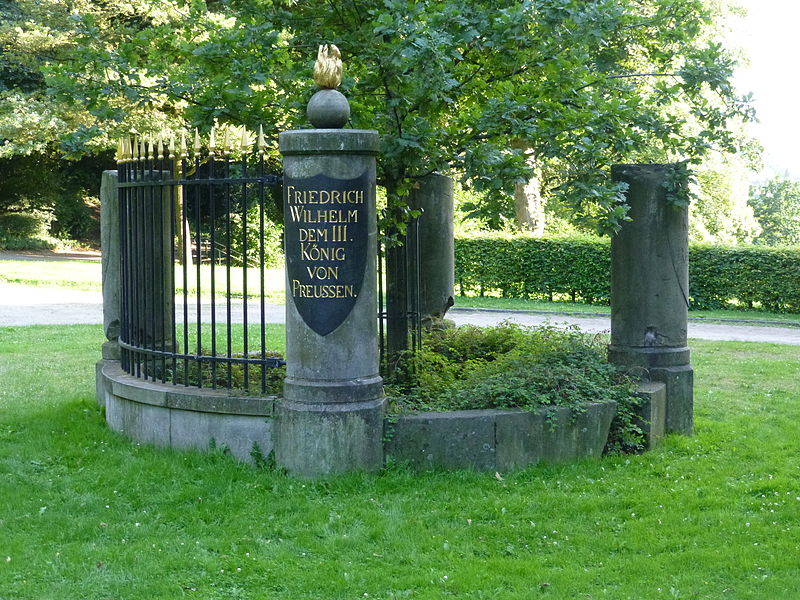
pixel 484 440
pixel 499 440
pixel 185 417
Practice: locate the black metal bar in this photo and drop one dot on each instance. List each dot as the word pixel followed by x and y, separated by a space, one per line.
pixel 122 200
pixel 213 225
pixel 198 282
pixel 150 275
pixel 186 252
pixel 269 362
pixel 228 249
pixel 139 283
pixel 261 266
pixel 381 311
pixel 173 197
pixel 245 266
pixel 200 181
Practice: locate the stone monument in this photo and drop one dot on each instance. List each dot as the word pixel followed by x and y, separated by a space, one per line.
pixel 331 417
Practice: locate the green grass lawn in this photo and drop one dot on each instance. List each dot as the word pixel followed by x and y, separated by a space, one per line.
pixel 88 514
pixel 87 275
pixel 76 274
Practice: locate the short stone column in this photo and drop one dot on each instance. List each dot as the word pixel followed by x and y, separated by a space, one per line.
pixel 434 198
pixel 331 417
pixel 649 287
pixel 110 262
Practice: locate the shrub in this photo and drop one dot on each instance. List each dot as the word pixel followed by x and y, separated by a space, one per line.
pixel 523 266
pixel 24 225
pixel 511 367
pixel 719 277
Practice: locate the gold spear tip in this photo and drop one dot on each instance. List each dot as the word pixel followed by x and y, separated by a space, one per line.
pixel 212 142
pixel 184 150
pixel 244 143
pixel 262 141
pixel 196 146
pixel 328 68
pixel 226 142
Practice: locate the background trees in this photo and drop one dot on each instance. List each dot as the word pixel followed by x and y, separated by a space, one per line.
pixel 776 205
pixel 450 84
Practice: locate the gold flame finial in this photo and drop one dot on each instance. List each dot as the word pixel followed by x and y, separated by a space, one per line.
pixel 328 68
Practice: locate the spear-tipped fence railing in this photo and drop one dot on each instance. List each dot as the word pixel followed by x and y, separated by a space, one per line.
pixel 399 316
pixel 193 313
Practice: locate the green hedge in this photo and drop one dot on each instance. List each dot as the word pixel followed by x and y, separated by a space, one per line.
pixel 528 267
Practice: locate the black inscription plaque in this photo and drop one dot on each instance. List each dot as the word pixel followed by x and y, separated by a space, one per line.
pixel 326 246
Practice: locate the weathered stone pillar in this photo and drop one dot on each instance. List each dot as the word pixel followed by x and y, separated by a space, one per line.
pixel 649 287
pixel 331 417
pixel 111 276
pixel 434 197
pixel 110 263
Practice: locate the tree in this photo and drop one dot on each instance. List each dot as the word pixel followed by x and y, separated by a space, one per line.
pixel 448 83
pixel 720 212
pixel 776 205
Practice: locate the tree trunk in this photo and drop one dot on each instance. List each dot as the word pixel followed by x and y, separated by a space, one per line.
pixel 528 201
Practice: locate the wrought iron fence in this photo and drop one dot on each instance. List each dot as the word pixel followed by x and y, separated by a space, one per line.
pixel 400 322
pixel 198 234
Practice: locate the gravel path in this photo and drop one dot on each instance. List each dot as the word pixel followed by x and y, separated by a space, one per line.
pixel 29 305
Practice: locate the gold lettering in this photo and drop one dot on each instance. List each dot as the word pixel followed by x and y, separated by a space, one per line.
pixel 314 235
pixel 323 272
pixel 300 290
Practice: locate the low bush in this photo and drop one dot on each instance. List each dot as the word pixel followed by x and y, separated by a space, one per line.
pixel 511 367
pixel 24 225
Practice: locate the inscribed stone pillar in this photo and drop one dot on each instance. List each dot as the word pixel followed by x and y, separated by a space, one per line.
pixel 331 416
pixel 649 290
pixel 434 198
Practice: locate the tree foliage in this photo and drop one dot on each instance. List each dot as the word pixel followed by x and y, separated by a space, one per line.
pixel 776 205
pixel 448 83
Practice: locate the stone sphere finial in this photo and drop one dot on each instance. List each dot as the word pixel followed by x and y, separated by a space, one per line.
pixel 328 108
